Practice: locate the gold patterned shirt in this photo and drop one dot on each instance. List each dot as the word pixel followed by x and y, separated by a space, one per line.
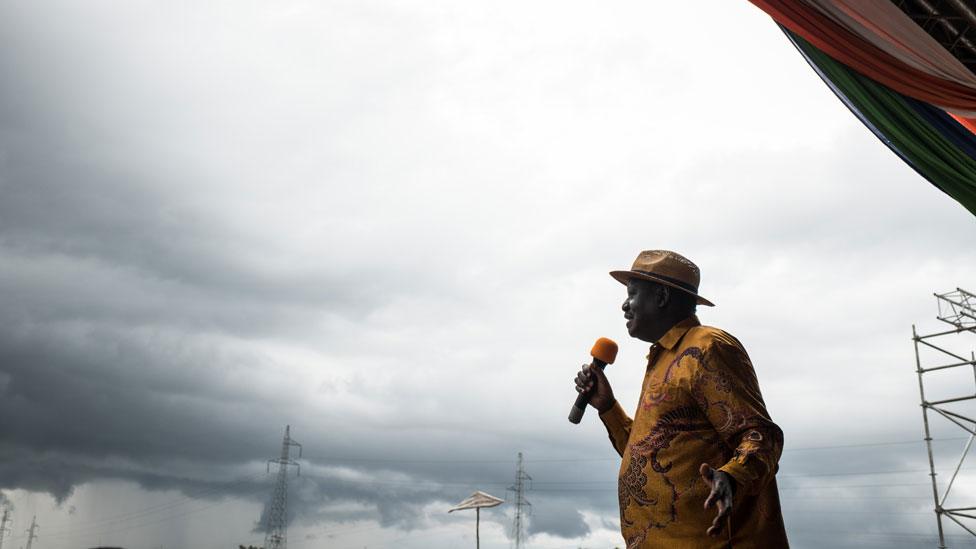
pixel 700 403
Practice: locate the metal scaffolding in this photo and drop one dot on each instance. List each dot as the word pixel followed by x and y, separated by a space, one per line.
pixel 958 309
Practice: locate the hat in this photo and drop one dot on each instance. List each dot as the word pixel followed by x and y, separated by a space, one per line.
pixel 665 267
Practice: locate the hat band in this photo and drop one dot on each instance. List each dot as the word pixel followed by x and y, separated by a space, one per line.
pixel 679 283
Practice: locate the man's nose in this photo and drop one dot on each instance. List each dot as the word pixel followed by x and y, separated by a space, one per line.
pixel 626 305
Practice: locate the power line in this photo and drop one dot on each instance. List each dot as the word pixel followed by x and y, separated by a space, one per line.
pixel 549 486
pixel 216 491
pixel 868 444
pixel 94 530
pixel 222 491
pixel 364 459
pixel 75 532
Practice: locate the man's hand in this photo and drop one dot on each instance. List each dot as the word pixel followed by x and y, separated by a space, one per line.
pixel 592 381
pixel 723 490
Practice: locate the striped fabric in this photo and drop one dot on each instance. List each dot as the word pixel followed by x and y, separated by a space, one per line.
pixel 901 83
pixel 861 55
pixel 881 23
pixel 940 149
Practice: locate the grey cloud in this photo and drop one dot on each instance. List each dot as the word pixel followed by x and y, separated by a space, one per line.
pixel 560 518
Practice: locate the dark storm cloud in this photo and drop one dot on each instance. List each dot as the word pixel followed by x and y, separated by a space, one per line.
pixel 96 198
pixel 111 237
pixel 89 220
pixel 115 296
pixel 104 392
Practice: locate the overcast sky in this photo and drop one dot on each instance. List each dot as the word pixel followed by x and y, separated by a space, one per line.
pixel 389 225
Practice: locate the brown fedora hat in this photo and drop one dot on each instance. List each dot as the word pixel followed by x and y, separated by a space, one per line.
pixel 668 268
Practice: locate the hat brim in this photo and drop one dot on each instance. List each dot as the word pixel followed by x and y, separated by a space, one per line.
pixel 624 277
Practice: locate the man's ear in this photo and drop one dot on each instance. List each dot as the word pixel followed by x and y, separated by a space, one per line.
pixel 663 296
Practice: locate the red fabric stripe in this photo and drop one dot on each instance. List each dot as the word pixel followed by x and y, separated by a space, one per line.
pixel 968 123
pixel 866 58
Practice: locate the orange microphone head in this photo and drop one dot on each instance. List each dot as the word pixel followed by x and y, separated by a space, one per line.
pixel 604 349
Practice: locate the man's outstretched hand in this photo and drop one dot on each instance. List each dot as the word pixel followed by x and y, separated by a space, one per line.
pixel 723 489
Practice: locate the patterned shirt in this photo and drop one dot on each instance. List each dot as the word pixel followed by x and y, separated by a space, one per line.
pixel 700 403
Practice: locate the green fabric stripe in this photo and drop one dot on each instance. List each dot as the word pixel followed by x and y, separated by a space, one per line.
pixel 932 155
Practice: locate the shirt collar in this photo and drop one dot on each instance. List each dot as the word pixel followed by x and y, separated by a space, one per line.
pixel 674 335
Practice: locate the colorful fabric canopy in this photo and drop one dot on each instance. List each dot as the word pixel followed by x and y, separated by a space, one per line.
pixel 804 18
pixel 896 79
pixel 883 24
pixel 929 140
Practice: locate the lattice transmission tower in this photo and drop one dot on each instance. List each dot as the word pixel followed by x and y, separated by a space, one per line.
pixel 958 310
pixel 32 532
pixel 276 536
pixel 3 523
pixel 523 508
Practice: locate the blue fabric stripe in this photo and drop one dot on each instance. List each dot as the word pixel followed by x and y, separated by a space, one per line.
pixel 946 125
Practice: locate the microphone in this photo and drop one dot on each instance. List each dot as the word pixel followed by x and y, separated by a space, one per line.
pixel 604 352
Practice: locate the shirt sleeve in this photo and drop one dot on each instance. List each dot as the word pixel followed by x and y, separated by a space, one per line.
pixel 726 388
pixel 618 425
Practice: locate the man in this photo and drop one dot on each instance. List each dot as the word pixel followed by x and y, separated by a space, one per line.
pixel 700 455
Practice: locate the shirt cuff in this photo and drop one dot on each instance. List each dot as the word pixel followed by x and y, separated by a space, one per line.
pixel 615 419
pixel 745 479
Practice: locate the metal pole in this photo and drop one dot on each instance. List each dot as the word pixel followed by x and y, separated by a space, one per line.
pixel 477 527
pixel 941 350
pixel 964 527
pixel 969 444
pixel 928 439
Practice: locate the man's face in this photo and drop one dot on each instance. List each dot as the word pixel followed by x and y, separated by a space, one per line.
pixel 642 311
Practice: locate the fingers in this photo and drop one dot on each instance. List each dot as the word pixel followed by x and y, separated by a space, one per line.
pixel 720 495
pixel 708 474
pixel 724 508
pixel 711 499
pixel 584 380
pixel 716 528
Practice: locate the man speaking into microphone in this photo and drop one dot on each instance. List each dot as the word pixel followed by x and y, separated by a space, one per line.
pixel 700 455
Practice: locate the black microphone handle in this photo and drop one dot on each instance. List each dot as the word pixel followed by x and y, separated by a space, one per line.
pixel 579 407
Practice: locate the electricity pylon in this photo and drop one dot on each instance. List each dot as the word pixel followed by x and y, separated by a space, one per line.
pixel 3 523
pixel 276 536
pixel 518 527
pixel 32 532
